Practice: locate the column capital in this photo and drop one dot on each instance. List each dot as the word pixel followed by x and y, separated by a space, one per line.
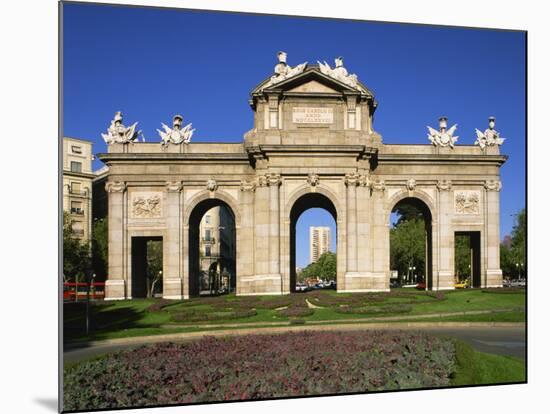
pixel 273 179
pixel 364 180
pixel 248 186
pixel 115 186
pixel 378 185
pixel 173 186
pixel 351 179
pixel 444 185
pixel 493 185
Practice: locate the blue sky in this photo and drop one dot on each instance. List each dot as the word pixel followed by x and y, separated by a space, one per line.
pixel 151 63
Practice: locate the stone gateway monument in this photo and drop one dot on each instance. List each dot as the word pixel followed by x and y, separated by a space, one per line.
pixel 313 144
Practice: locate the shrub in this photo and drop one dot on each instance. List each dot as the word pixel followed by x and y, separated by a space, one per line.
pixel 294 311
pixel 159 304
pixel 191 315
pixel 503 290
pixel 376 310
pixel 234 368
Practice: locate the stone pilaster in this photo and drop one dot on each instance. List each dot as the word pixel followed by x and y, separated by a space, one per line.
pixel 351 180
pixel 493 277
pixel 116 284
pixel 363 225
pixel 444 279
pixel 380 236
pixel 245 235
pixel 173 280
pixel 274 182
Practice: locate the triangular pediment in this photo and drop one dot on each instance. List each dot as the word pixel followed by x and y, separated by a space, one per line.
pixel 313 86
pixel 311 73
pixel 311 82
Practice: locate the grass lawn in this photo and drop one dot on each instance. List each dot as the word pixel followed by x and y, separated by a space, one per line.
pixel 478 368
pixel 135 317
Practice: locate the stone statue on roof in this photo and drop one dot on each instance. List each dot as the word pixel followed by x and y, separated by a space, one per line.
pixel 117 133
pixel 176 134
pixel 283 70
pixel 490 136
pixel 444 137
pixel 340 73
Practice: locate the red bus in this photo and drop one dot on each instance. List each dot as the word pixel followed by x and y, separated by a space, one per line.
pixel 73 291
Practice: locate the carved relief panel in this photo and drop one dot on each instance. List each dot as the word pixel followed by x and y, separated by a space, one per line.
pixel 146 205
pixel 467 201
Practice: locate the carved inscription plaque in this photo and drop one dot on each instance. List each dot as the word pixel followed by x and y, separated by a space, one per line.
pixel 311 115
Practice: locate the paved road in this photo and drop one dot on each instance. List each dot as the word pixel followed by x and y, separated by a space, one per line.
pixel 491 339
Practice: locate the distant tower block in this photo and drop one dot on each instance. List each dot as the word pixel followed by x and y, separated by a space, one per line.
pixel 319 242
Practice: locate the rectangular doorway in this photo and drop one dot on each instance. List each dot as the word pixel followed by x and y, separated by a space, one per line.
pixel 468 258
pixel 147 264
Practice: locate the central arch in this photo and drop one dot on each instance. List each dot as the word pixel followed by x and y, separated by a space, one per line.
pixel 301 204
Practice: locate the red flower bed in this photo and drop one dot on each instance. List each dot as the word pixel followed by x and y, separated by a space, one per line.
pixel 260 366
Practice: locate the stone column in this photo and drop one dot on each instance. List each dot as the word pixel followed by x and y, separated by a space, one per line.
pixel 116 284
pixel 274 181
pixel 444 279
pixel 380 239
pixel 493 277
pixel 364 241
pixel 172 266
pixel 245 235
pixel 351 180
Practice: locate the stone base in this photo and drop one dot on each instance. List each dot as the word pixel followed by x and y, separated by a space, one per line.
pixel 173 289
pixel 115 290
pixel 268 284
pixel 493 278
pixel 365 282
pixel 446 280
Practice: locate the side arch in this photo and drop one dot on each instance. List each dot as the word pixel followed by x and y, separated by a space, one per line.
pixel 426 205
pixel 195 208
pixel 403 194
pixel 207 195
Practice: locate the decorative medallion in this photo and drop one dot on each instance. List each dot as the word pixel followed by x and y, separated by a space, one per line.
pixel 312 179
pixel 411 184
pixel 211 185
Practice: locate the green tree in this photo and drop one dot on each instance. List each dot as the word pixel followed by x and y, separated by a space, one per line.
pixel 407 246
pixel 99 249
pixel 323 268
pixel 154 266
pixel 462 257
pixel 516 253
pixel 76 254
